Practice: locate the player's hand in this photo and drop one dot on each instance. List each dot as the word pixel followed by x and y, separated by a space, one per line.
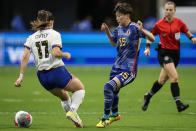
pixel 147 52
pixel 67 56
pixel 140 25
pixel 194 40
pixel 104 27
pixel 18 82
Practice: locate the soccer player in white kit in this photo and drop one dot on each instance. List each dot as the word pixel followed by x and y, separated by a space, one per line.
pixel 46 44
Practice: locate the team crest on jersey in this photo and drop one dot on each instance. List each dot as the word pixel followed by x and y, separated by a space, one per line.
pixel 164 35
pixel 128 32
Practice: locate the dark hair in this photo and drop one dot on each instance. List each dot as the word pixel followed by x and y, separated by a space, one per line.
pixel 170 3
pixel 124 8
pixel 43 20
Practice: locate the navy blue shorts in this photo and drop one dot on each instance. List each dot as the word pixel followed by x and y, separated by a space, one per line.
pixel 124 76
pixel 56 78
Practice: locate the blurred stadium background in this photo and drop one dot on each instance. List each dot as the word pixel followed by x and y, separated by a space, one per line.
pixel 79 22
pixel 92 57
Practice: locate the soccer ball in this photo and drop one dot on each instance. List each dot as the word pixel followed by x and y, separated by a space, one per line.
pixel 23 119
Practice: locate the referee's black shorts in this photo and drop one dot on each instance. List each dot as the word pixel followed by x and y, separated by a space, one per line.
pixel 166 56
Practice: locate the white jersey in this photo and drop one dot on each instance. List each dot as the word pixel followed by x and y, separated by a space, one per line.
pixel 40 44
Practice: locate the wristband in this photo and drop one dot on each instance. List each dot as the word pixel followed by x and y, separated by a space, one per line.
pixel 191 37
pixel 21 75
pixel 147 45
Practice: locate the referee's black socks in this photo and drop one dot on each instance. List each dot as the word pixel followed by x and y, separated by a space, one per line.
pixel 155 88
pixel 175 90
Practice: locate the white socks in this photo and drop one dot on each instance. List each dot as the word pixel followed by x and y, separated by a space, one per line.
pixel 75 101
pixel 66 105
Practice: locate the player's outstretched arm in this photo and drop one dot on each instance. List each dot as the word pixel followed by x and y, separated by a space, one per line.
pixel 105 28
pixel 147 49
pixel 23 66
pixel 148 34
pixel 56 52
pixel 191 37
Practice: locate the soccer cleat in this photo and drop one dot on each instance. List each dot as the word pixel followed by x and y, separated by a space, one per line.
pixel 74 118
pixel 181 107
pixel 113 118
pixel 146 102
pixel 102 124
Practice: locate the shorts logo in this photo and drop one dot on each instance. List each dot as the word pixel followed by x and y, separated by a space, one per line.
pixel 164 35
pixel 166 58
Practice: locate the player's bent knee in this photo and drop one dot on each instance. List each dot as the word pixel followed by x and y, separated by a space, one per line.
pixel 174 79
pixel 75 85
pixel 162 82
pixel 80 84
pixel 110 86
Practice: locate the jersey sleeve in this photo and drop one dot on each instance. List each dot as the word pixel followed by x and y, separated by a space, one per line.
pixel 56 40
pixel 141 35
pixel 27 44
pixel 115 34
pixel 154 30
pixel 183 28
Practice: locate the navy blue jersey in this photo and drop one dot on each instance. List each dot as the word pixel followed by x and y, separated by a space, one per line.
pixel 128 43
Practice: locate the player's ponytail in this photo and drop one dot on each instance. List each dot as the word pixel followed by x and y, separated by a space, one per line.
pixel 42 21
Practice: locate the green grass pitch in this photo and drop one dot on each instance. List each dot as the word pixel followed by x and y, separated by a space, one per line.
pixel 48 114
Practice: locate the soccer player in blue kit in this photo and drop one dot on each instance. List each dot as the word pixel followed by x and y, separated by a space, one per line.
pixel 126 38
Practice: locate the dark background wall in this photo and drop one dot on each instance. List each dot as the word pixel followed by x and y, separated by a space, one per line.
pixel 68 11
